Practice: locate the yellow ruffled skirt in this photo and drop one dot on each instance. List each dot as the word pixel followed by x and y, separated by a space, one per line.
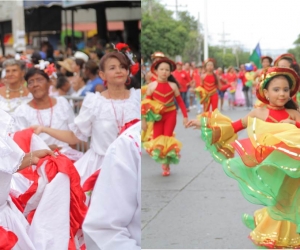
pixel 272 234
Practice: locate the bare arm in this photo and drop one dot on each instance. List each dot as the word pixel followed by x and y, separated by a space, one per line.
pixel 148 77
pixel 175 89
pixel 252 114
pixel 34 157
pixel 61 135
pixel 151 88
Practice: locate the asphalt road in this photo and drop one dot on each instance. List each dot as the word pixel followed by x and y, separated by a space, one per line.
pixel 197 206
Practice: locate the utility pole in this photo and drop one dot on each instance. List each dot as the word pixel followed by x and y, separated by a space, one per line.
pixel 205 31
pixel 176 8
pixel 223 40
pixel 150 7
pixel 236 48
pixel 200 40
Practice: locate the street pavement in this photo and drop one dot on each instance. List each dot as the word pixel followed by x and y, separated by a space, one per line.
pixel 197 206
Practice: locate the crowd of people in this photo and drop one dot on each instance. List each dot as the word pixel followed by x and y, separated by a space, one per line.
pixel 266 164
pixel 55 196
pixel 237 85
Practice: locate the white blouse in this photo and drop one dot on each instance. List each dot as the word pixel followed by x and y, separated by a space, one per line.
pixel 10 105
pixel 99 118
pixel 61 117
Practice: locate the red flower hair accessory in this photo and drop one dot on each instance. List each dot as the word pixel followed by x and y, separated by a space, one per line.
pixel 124 48
pixel 46 67
pixel 50 70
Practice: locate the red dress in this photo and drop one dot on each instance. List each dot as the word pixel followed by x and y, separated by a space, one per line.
pixel 161 110
pixel 209 84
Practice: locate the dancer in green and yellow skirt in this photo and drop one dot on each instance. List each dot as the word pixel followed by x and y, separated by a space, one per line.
pixel 159 107
pixel 150 77
pixel 267 167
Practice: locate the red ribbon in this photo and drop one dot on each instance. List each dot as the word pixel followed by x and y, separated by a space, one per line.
pixel 128 124
pixel 7 239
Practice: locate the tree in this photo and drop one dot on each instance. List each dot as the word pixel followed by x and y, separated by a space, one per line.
pixel 229 58
pixel 192 48
pixel 296 51
pixel 160 32
pixel 188 21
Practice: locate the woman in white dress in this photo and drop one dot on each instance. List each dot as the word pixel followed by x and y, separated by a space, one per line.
pixel 101 117
pixel 116 222
pixel 13 159
pixel 46 111
pixel 15 92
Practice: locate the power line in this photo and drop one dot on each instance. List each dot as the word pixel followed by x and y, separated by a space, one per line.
pixel 176 7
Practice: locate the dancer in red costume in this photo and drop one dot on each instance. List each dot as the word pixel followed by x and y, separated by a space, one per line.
pixel 266 62
pixel 208 93
pixel 289 61
pixel 150 76
pixel 268 163
pixel 159 107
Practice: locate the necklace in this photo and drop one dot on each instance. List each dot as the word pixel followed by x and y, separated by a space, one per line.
pixel 38 114
pixel 117 121
pixel 8 90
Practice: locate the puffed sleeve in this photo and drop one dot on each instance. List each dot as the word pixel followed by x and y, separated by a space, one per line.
pixel 21 118
pixel 11 155
pixel 68 111
pixel 82 126
pixel 113 219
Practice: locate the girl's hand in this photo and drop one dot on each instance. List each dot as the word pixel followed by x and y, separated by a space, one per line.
pixel 54 146
pixel 288 121
pixel 144 125
pixel 196 124
pixel 185 121
pixel 38 154
pixel 37 129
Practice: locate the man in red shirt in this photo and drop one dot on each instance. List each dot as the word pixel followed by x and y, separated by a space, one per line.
pixel 184 79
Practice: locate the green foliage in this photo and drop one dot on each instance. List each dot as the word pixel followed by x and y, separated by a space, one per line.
pixel 229 58
pixel 296 52
pixel 161 32
pixel 191 50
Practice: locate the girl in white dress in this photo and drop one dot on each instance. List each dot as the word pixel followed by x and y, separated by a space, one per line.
pixel 116 223
pixel 101 117
pixel 47 111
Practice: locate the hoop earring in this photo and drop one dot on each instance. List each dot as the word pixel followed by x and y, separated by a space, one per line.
pixel 105 83
pixel 128 81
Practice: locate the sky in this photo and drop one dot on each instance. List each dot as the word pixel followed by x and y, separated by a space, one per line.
pixel 275 24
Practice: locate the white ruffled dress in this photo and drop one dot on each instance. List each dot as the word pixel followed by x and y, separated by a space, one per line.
pixel 10 106
pixel 97 119
pixel 11 157
pixel 62 118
